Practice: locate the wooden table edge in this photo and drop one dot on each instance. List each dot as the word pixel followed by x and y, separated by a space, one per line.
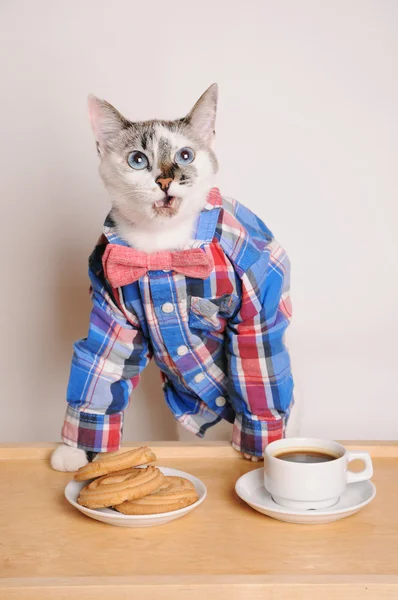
pixel 196 587
pixel 221 450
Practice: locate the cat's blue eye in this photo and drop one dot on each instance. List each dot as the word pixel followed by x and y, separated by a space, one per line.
pixel 185 156
pixel 137 160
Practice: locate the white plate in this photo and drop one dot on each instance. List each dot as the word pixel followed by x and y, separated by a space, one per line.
pixel 250 488
pixel 112 517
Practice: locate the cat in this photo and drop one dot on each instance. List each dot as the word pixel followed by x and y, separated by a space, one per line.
pixel 157 193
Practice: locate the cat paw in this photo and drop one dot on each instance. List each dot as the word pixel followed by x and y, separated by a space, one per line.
pixel 251 457
pixel 66 458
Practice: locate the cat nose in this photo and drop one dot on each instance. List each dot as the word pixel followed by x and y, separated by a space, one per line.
pixel 164 183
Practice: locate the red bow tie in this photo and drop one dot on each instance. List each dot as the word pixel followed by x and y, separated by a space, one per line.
pixel 124 265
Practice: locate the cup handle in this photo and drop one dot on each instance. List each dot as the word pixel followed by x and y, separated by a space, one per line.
pixel 366 473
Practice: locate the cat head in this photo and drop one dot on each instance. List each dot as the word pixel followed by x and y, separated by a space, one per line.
pixel 156 170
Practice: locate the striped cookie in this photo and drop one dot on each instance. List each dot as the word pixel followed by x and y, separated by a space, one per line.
pixel 175 493
pixel 116 488
pixel 115 461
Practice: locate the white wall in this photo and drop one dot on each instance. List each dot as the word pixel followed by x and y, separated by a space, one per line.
pixel 307 137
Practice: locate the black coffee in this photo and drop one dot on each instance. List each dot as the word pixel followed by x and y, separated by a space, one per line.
pixel 305 456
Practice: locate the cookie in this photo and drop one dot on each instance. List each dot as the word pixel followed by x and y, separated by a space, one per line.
pixel 175 493
pixel 115 461
pixel 116 488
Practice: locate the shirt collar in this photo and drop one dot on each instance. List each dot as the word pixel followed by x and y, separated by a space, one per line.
pixel 203 231
pixel 206 222
pixel 214 199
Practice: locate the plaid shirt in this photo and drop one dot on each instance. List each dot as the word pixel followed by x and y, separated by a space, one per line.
pixel 218 341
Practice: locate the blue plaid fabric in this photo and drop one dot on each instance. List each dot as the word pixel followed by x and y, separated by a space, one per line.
pixel 219 342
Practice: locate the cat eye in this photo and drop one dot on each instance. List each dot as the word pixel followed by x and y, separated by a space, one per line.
pixel 137 160
pixel 184 156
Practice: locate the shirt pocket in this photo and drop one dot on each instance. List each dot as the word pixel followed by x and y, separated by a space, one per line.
pixel 211 314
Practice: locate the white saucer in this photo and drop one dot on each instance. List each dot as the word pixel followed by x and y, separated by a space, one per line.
pixel 250 488
pixel 112 517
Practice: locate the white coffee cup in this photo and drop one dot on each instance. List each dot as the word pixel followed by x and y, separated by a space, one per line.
pixel 310 485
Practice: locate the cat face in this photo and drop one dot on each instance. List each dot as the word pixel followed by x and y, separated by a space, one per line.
pixel 156 171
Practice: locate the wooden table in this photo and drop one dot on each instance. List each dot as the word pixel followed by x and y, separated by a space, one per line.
pixel 222 550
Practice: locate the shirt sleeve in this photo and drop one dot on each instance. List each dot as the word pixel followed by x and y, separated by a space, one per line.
pixel 105 368
pixel 260 380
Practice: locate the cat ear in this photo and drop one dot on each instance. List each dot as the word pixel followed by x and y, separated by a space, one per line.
pixel 105 120
pixel 202 117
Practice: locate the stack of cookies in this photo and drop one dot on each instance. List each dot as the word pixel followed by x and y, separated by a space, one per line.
pixel 119 484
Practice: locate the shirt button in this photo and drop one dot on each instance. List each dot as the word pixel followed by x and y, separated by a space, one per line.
pixel 167 307
pixel 199 377
pixel 182 350
pixel 220 401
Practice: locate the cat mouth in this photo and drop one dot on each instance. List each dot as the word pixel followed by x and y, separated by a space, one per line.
pixel 167 207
